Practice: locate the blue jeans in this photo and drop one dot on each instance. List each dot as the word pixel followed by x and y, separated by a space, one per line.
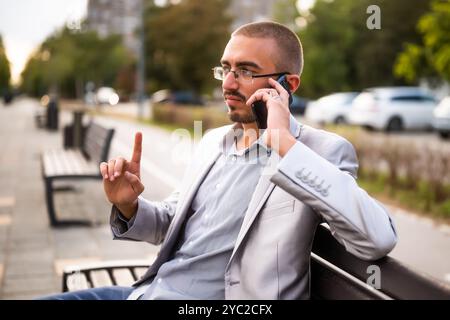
pixel 102 293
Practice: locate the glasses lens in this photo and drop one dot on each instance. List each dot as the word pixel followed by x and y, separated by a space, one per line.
pixel 218 73
pixel 246 75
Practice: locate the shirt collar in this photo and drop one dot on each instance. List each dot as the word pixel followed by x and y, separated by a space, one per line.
pixel 234 134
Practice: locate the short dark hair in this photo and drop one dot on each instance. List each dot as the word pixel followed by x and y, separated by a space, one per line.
pixel 291 52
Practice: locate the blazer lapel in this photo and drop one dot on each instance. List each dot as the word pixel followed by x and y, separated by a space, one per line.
pixel 262 192
pixel 263 189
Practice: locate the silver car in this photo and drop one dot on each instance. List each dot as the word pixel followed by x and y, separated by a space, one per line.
pixel 441 118
pixel 393 108
pixel 333 108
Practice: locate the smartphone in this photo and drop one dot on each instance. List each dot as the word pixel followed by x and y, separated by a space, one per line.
pixel 259 107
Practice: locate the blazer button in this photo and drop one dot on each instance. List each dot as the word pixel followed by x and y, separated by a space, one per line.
pixel 305 178
pixel 312 183
pixel 325 191
pixel 319 186
pixel 299 174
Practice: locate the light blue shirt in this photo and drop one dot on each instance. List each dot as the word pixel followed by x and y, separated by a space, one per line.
pixel 196 271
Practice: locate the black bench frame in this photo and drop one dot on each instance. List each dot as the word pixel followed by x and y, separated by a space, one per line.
pixel 335 275
pixel 95 150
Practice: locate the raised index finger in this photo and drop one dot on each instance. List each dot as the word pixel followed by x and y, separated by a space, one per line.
pixel 137 150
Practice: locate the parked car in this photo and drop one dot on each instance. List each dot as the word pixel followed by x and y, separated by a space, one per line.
pixel 441 118
pixel 298 105
pixel 333 108
pixel 177 97
pixel 393 108
pixel 106 95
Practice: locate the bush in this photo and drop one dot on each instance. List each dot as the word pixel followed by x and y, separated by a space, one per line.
pixel 418 177
pixel 184 117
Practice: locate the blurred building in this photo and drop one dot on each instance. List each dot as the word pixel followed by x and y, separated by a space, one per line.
pixel 123 17
pixel 245 11
pixel 116 17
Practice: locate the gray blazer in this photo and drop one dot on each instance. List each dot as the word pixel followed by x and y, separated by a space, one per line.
pixel 313 183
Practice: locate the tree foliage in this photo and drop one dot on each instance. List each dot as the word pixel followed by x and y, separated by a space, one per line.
pixel 183 42
pixel 67 60
pixel 341 53
pixel 431 57
pixel 5 73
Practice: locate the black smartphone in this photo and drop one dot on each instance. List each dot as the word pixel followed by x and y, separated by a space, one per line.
pixel 259 107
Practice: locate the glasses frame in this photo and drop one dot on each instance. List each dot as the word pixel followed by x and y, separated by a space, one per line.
pixel 237 73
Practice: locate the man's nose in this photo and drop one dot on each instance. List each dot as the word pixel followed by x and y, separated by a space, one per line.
pixel 230 82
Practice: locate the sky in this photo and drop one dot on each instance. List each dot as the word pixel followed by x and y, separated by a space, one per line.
pixel 24 24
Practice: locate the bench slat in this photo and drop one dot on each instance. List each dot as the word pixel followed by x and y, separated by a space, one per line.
pixel 77 281
pixel 67 162
pixel 123 277
pixel 78 162
pixel 100 278
pixel 96 141
pixel 58 167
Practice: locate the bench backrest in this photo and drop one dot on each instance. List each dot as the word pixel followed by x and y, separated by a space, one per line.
pixel 337 274
pixel 97 142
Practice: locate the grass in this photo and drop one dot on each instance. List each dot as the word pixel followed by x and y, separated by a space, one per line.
pixel 420 200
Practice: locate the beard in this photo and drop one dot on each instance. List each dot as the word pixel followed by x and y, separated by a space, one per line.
pixel 248 117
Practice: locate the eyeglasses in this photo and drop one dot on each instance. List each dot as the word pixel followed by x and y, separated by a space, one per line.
pixel 220 73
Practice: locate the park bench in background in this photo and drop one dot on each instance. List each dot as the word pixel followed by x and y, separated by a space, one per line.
pixel 73 164
pixel 335 275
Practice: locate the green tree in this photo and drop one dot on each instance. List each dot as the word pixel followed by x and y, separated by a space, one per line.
pixel 341 53
pixel 67 60
pixel 5 73
pixel 430 58
pixel 377 50
pixel 285 12
pixel 328 44
pixel 183 42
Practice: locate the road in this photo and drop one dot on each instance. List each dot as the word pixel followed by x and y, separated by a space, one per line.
pixel 423 244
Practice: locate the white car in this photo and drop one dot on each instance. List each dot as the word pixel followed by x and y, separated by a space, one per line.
pixel 441 120
pixel 106 95
pixel 393 108
pixel 333 108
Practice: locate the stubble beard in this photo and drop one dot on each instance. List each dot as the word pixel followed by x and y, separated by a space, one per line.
pixel 249 117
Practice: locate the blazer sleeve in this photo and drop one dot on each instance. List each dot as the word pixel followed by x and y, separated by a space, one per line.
pixel 359 222
pixel 150 223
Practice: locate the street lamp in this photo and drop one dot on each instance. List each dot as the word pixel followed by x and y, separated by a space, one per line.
pixel 140 83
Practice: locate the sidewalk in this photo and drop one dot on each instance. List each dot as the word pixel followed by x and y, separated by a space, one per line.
pixel 32 254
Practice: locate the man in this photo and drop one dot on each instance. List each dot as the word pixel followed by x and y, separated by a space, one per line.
pixel 241 225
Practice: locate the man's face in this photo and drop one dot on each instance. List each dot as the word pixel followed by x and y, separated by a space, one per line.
pixel 253 54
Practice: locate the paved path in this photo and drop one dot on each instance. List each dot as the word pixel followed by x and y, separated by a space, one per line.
pixel 32 254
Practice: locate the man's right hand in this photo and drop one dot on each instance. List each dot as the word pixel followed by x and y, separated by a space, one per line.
pixel 122 180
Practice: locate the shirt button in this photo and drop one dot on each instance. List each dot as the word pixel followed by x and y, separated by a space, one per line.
pixel 159 280
pixel 218 186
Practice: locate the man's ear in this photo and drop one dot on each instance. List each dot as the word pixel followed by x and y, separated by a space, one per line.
pixel 294 82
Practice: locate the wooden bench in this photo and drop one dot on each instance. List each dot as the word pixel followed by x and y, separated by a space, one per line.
pixel 335 275
pixel 75 164
pixel 111 273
